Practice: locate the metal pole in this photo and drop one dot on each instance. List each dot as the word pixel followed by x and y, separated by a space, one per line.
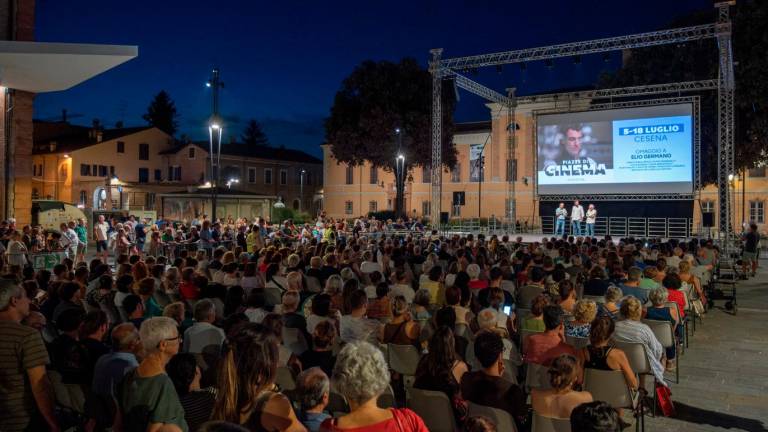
pixel 480 185
pixel 215 125
pixel 437 138
pixel 301 190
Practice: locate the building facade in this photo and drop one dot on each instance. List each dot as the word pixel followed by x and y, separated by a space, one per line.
pixel 509 162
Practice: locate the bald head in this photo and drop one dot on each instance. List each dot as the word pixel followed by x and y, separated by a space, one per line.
pixel 124 337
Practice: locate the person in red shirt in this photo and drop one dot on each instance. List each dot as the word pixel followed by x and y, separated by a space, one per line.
pixel 542 348
pixel 187 288
pixel 673 283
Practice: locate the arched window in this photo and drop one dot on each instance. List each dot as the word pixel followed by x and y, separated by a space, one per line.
pixel 83 198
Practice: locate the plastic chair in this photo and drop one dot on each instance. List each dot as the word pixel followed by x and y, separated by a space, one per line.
pixel 403 359
pixel 285 379
pixel 536 377
pixel 665 333
pixel 611 387
pixel 683 321
pixel 294 340
pixel 638 361
pixel 577 342
pixel 434 408
pixel 550 424
pixel 504 421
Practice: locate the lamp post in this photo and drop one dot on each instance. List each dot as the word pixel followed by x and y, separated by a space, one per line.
pixel 301 188
pixel 399 175
pixel 215 131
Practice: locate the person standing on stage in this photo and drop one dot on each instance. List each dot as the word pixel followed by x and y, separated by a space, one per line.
pixel 591 218
pixel 560 214
pixel 577 214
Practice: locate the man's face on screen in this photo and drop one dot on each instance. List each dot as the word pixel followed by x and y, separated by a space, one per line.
pixel 573 142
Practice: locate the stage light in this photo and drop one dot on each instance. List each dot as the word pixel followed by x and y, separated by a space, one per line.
pixel 208 84
pixel 215 126
pixel 400 157
pixel 730 177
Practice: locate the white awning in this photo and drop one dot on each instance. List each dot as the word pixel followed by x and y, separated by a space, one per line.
pixel 44 67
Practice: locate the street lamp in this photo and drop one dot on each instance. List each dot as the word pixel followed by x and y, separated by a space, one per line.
pixel 232 181
pixel 399 175
pixel 301 188
pixel 215 131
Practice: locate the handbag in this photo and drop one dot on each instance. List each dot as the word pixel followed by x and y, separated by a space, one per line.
pixel 664 398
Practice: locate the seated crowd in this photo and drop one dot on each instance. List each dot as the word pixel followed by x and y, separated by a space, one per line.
pixel 294 335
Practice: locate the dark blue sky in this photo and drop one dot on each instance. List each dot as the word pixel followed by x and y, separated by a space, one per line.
pixel 283 61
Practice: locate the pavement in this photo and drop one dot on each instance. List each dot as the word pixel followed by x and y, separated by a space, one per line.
pixel 724 372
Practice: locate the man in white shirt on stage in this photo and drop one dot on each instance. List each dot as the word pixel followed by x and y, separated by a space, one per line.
pixel 577 214
pixel 591 219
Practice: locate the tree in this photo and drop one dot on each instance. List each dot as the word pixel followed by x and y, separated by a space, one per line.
pixel 253 135
pixel 161 113
pixel 374 100
pixel 699 60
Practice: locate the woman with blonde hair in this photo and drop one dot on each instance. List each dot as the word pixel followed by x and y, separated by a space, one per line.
pixel 248 395
pixel 610 308
pixel 401 329
pixel 694 284
pixel 583 313
pixel 175 311
pixel 631 329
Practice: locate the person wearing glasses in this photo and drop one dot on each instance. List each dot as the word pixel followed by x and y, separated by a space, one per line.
pixel 146 398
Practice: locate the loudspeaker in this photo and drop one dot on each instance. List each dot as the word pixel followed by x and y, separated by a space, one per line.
pixel 443 217
pixel 458 198
pixel 708 219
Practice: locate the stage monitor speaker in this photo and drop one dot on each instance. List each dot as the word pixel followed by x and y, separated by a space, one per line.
pixel 458 198
pixel 443 217
pixel 708 219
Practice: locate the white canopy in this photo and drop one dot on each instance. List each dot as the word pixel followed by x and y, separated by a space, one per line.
pixel 39 67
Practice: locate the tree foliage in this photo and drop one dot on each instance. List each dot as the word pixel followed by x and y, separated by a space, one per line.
pixel 699 60
pixel 253 134
pixel 378 97
pixel 162 114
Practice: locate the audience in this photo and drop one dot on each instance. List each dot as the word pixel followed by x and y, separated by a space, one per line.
pixel 595 416
pixel 631 329
pixel 542 348
pixel 203 336
pixel 441 369
pixel 313 393
pixel 561 399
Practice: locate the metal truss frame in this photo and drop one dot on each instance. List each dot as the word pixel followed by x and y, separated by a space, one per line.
pixel 617 197
pixel 441 68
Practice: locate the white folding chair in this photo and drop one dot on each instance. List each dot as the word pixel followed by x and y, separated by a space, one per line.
pixel 434 408
pixel 611 387
pixel 550 424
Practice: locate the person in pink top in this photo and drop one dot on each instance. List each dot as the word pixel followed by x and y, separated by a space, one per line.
pixel 361 374
pixel 542 348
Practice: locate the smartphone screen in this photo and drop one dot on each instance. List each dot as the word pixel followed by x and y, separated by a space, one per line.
pixel 507 310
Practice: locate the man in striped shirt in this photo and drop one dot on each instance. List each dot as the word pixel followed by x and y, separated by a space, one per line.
pixel 26 395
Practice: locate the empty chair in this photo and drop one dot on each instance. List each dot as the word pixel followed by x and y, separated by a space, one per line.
pixel 434 408
pixel 403 358
pixel 284 378
pixel 294 340
pixel 536 377
pixel 504 421
pixel 550 424
pixel 611 387
pixel 665 333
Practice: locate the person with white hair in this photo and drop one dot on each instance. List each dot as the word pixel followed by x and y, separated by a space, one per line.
pixel 361 375
pixel 146 397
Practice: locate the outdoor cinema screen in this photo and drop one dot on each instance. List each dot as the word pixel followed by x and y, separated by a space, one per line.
pixel 646 150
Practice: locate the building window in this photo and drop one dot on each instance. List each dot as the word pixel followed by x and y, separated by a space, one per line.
pixel 150 200
pixel 373 206
pixel 35 194
pixel 267 175
pixel 350 174
pixel 426 174
pixel 191 152
pixel 374 175
pixel 120 147
pixel 389 203
pixel 348 207
pixel 177 173
pixel 511 169
pixel 456 173
pixel 85 170
pixel 94 170
pixel 251 175
pixel 158 175
pixel 143 175
pixel 456 211
pixel 83 198
pixel 102 170
pixel 426 208
pixel 308 178
pixel 508 204
pixel 283 177
pixel 111 170
pixel 707 206
pixel 757 211
pixel 143 151
pixel 757 172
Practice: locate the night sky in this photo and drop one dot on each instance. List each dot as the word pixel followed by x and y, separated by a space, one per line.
pixel 283 61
